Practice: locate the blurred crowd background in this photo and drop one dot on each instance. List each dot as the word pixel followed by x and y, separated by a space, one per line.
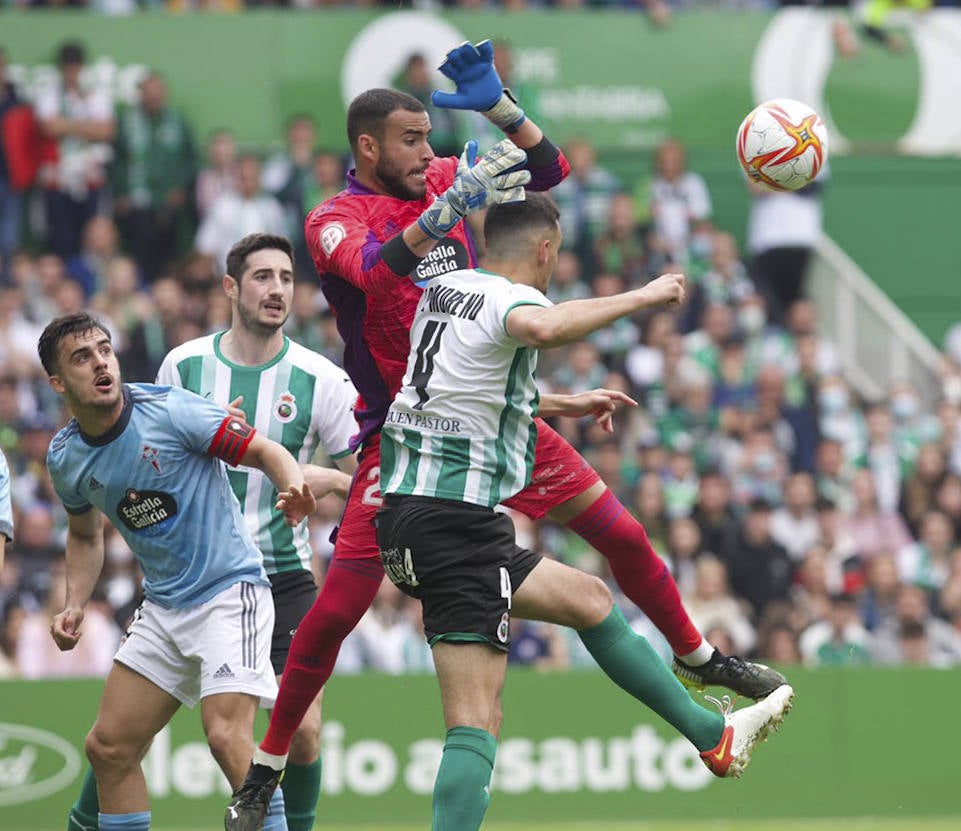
pixel 802 523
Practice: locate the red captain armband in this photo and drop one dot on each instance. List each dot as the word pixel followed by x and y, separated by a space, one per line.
pixel 231 440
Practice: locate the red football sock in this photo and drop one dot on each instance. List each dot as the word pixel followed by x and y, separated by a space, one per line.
pixel 639 571
pixel 347 593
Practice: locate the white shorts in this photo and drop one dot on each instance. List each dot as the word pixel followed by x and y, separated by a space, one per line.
pixel 221 646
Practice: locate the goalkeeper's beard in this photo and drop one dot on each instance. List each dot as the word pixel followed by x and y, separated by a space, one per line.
pixel 398 183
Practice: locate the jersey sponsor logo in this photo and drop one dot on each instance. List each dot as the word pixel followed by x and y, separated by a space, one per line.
pixel 448 255
pixel 331 236
pixel 151 455
pixel 426 422
pixel 285 408
pixel 143 510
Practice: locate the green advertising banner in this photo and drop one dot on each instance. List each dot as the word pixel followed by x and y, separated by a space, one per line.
pixel 610 75
pixel 574 747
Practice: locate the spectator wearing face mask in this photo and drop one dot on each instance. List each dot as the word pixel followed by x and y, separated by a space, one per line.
pixel 838 417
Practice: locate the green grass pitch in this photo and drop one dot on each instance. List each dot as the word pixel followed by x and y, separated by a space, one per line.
pixel 847 824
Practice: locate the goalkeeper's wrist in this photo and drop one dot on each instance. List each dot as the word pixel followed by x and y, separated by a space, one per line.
pixel 431 221
pixel 505 113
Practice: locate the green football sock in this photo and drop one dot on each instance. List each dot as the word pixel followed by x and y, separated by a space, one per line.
pixel 84 812
pixel 301 787
pixel 632 664
pixel 461 790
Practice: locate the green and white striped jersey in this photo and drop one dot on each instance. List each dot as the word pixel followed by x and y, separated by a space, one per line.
pixel 299 399
pixel 462 425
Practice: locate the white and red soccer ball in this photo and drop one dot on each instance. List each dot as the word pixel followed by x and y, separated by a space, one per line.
pixel 782 144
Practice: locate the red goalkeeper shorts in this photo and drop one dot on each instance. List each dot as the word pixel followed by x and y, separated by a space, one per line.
pixel 560 473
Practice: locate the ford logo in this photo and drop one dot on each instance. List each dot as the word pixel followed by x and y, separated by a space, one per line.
pixel 34 763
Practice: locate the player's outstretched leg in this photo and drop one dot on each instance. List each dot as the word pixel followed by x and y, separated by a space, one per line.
pixel 599 517
pixel 558 594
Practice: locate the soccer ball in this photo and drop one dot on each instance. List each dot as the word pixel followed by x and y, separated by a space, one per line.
pixel 782 144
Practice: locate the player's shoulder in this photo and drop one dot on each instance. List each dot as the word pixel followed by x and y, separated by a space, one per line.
pixel 149 393
pixel 310 361
pixel 59 444
pixel 342 203
pixel 197 347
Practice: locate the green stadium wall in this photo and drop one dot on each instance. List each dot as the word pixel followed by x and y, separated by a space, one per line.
pixel 859 742
pixel 608 75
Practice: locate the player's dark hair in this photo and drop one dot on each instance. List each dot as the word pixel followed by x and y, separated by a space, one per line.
pixel 78 323
pixel 508 224
pixel 241 250
pixel 369 110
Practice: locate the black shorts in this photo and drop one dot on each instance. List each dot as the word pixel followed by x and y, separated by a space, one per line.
pixel 460 560
pixel 294 593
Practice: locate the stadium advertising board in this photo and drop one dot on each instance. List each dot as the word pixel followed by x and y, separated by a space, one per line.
pixel 696 78
pixel 574 748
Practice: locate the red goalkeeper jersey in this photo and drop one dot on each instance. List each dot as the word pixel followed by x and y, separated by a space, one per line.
pixel 374 305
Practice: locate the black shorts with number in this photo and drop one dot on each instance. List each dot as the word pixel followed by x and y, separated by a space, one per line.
pixel 294 593
pixel 460 560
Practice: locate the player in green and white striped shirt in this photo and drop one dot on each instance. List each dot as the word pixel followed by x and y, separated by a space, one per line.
pixel 458 439
pixel 304 402
pixel 297 398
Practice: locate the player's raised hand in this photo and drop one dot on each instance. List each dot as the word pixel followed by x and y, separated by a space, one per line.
pixel 471 68
pixel 296 504
pixel 65 628
pixel 667 290
pixel 477 184
pixel 601 404
pixel 479 87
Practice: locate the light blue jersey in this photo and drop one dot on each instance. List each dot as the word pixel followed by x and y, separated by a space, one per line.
pixel 152 474
pixel 6 510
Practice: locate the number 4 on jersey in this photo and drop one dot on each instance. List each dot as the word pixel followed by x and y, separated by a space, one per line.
pixel 424 360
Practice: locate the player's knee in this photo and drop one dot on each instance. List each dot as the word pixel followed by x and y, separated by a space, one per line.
pixel 106 752
pixel 594 602
pixel 224 736
pixel 305 747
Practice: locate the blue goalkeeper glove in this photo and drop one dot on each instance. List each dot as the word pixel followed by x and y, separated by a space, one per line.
pixel 479 87
pixel 477 184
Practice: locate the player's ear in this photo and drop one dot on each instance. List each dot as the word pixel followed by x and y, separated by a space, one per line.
pixel 544 251
pixel 368 147
pixel 231 286
pixel 56 384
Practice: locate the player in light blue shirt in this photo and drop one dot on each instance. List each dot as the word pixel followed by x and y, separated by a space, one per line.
pixel 151 459
pixel 173 503
pixel 6 511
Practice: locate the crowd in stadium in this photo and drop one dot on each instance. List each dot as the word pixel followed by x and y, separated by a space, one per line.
pixel 801 523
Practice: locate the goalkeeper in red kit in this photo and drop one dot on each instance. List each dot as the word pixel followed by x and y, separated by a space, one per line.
pixel 401 217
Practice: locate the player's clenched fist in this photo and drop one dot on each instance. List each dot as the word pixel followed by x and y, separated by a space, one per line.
pixel 477 184
pixel 668 289
pixel 65 629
